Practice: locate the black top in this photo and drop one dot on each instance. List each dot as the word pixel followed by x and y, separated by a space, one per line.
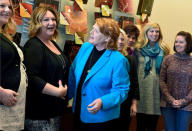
pixel 94 56
pixel 44 66
pixel 134 85
pixel 10 64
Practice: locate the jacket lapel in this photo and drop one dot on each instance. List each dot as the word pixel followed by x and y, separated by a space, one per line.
pixel 99 64
pixel 5 38
pixel 82 63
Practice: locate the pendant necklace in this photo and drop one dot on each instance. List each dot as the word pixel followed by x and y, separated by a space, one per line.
pixel 62 61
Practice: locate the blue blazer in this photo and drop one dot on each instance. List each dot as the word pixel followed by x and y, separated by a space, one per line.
pixel 108 80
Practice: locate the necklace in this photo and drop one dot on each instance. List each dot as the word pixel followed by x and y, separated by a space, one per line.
pixel 62 61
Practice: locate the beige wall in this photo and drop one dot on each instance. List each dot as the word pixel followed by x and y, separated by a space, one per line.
pixel 172 15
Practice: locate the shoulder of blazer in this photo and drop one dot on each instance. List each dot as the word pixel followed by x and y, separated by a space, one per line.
pixel 9 42
pixel 116 54
pixel 2 37
pixel 86 45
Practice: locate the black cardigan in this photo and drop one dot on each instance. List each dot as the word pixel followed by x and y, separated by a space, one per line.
pixel 43 66
pixel 134 85
pixel 10 64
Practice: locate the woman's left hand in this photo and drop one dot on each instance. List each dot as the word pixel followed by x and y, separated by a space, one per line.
pixel 133 110
pixel 95 106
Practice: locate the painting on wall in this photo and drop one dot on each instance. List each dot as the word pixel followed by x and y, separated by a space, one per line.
pixel 99 15
pixel 124 21
pixel 52 3
pixel 145 7
pixel 77 20
pixel 125 6
pixel 25 10
pixel 78 5
pixel 124 18
pixel 98 3
pixel 84 1
pixel 17 17
pixel 71 49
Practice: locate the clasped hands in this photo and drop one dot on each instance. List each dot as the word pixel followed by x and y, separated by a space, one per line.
pixel 177 103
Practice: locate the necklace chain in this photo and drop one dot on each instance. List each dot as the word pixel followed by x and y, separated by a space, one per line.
pixel 62 61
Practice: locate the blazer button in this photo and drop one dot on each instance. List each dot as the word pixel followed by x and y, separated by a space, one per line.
pixel 16 65
pixel 84 94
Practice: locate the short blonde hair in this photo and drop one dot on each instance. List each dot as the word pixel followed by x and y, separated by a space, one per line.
pixel 124 50
pixel 143 40
pixel 10 28
pixel 109 27
pixel 36 18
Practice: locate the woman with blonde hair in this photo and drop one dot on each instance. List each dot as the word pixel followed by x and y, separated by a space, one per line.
pixel 13 79
pixel 47 68
pixel 122 42
pixel 99 79
pixel 150 53
pixel 144 40
pixel 129 106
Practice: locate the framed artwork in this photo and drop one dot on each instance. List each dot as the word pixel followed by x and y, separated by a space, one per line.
pixel 51 3
pixel 71 49
pixel 84 1
pixel 77 20
pixel 145 7
pixel 124 18
pixel 99 15
pixel 98 3
pixel 125 6
pixel 17 17
pixel 124 21
pixel 25 10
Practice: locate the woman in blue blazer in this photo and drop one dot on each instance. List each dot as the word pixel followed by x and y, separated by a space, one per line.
pixel 98 79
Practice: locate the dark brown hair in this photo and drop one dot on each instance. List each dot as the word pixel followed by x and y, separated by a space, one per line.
pixel 188 39
pixel 132 30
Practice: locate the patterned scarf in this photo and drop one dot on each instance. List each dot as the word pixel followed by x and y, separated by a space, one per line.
pixel 149 53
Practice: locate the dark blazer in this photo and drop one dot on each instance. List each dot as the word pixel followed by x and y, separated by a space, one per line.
pixel 134 87
pixel 10 64
pixel 125 118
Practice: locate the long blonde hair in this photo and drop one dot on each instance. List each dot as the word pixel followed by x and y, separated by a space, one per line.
pixel 143 39
pixel 10 28
pixel 36 18
pixel 124 50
